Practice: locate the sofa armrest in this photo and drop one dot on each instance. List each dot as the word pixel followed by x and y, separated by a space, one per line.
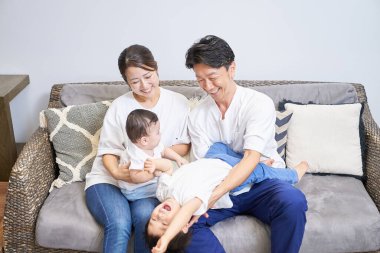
pixel 29 183
pixel 372 156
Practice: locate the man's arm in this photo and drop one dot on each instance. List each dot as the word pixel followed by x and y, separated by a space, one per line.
pixel 238 174
pixel 180 221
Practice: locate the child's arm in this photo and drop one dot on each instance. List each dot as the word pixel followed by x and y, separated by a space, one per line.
pixel 179 221
pixel 174 156
pixel 159 164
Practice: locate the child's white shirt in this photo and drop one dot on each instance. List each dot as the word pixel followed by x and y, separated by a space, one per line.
pixel 195 179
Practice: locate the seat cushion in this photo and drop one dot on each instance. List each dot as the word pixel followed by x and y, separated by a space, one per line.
pixel 341 218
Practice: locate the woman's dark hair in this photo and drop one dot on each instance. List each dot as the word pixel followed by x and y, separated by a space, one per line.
pixel 138 123
pixel 210 50
pixel 136 56
pixel 176 245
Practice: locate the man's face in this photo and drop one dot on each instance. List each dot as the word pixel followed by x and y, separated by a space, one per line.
pixel 217 82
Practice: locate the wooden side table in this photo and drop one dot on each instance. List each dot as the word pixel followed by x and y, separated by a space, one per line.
pixel 10 86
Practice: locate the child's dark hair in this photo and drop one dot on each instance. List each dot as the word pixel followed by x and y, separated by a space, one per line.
pixel 176 245
pixel 138 123
pixel 210 50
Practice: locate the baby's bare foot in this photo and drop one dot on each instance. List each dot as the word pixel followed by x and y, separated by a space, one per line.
pixel 301 169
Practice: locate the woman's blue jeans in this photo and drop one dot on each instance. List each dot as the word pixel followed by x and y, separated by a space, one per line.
pixel 113 211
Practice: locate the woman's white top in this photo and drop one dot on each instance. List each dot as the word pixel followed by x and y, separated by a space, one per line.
pixel 172 110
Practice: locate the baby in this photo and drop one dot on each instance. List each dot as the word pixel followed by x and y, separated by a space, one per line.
pixel 143 130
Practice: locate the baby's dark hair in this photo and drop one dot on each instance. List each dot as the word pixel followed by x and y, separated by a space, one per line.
pixel 176 245
pixel 138 123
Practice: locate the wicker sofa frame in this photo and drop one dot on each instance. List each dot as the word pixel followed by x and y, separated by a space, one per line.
pixel 35 169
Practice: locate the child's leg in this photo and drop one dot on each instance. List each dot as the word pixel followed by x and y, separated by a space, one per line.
pixel 292 176
pixel 263 172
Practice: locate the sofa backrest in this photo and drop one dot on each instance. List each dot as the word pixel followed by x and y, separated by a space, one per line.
pixel 298 92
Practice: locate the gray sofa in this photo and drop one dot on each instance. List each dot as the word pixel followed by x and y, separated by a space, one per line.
pixel 343 213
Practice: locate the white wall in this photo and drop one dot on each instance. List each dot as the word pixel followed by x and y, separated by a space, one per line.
pixel 80 40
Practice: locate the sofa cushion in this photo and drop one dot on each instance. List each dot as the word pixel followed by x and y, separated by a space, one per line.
pixel 317 93
pixel 74 132
pixel 341 218
pixel 281 136
pixel 327 137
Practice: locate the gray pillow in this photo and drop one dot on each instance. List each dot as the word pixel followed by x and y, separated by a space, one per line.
pixel 74 132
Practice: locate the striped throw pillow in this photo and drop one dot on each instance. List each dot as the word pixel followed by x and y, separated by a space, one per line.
pixel 282 123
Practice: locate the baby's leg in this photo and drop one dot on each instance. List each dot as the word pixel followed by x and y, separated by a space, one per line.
pixel 301 169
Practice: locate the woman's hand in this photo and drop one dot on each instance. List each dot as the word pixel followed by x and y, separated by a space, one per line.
pixel 181 161
pixel 123 173
pixel 117 171
pixel 161 245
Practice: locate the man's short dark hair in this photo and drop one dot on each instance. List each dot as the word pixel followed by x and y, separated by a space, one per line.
pixel 176 245
pixel 138 123
pixel 210 50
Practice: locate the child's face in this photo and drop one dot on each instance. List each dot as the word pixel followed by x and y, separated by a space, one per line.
pixel 161 217
pixel 154 135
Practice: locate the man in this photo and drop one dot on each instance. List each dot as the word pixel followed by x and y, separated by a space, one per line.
pixel 243 119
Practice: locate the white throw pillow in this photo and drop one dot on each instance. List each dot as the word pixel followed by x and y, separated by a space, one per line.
pixel 326 136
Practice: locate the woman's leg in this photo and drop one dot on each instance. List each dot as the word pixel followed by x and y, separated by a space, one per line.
pixel 111 210
pixel 141 210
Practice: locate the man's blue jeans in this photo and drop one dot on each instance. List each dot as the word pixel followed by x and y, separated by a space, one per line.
pixel 112 210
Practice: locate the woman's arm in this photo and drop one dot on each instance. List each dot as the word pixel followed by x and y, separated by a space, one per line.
pixel 119 172
pixel 181 149
pixel 180 221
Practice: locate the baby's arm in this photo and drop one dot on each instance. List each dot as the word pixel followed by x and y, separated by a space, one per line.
pixel 174 156
pixel 180 220
pixel 159 164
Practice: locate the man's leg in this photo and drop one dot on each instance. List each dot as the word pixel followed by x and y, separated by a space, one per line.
pixel 203 239
pixel 141 210
pixel 111 210
pixel 283 207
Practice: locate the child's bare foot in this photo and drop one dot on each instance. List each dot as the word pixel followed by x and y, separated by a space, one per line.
pixel 269 162
pixel 301 169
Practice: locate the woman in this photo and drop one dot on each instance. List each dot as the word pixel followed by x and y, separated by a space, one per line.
pixel 103 196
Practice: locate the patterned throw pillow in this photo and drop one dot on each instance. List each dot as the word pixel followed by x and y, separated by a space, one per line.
pixel 282 124
pixel 74 132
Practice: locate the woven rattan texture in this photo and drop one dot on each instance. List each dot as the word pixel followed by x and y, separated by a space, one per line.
pixel 35 169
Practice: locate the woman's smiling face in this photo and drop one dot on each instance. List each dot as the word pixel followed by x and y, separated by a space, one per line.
pixel 143 83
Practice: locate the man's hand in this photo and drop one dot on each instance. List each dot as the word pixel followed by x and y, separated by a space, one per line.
pixel 161 245
pixel 149 166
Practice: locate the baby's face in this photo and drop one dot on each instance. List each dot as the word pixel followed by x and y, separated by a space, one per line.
pixel 154 135
pixel 161 217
